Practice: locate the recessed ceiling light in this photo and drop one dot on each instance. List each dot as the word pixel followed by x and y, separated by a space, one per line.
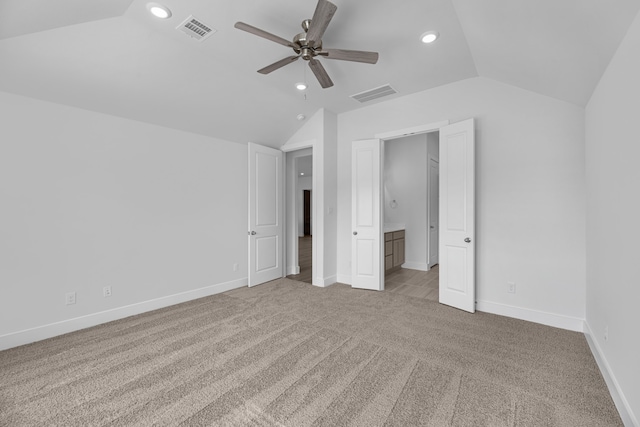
pixel 159 11
pixel 300 117
pixel 301 86
pixel 429 37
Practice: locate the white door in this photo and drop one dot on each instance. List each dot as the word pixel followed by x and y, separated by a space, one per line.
pixel 433 211
pixel 366 214
pixel 265 214
pixel 457 215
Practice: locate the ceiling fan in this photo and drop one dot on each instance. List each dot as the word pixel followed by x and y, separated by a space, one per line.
pixel 308 44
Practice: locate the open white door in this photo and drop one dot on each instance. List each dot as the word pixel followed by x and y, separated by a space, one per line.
pixel 457 216
pixel 265 214
pixel 366 215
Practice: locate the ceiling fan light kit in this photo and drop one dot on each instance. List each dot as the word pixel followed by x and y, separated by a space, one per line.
pixel 308 44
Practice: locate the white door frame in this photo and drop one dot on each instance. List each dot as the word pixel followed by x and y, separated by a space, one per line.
pixel 317 213
pixel 291 221
pixel 432 127
pixel 401 133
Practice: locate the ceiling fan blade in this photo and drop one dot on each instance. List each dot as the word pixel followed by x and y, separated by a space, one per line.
pixel 320 73
pixel 261 33
pixel 279 64
pixel 320 21
pixel 350 55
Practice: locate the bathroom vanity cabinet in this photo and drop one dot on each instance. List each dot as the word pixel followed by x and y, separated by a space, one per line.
pixel 393 250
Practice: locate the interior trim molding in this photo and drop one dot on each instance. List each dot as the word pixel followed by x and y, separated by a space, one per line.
pixel 324 282
pixel 344 278
pixel 51 330
pixel 550 319
pixel 422 266
pixel 293 270
pixel 431 127
pixel 298 145
pixel 621 402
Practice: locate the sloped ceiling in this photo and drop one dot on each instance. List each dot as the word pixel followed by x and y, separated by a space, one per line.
pixel 19 17
pixel 556 48
pixel 112 56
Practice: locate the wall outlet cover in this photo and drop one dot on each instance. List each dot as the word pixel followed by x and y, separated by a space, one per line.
pixel 70 298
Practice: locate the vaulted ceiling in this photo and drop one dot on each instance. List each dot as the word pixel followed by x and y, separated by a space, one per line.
pixel 113 57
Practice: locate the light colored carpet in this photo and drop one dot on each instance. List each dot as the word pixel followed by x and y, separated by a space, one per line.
pixel 290 354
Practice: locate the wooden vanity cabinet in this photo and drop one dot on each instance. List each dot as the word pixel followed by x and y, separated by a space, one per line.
pixel 393 250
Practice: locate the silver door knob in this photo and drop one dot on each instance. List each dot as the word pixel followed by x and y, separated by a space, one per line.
pixel 253 233
pixel 355 233
pixel 468 240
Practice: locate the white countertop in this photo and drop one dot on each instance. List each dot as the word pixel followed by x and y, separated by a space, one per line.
pixel 389 227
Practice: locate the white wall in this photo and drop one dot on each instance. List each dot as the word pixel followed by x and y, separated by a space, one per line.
pixel 90 200
pixel 613 210
pixel 530 191
pixel 320 132
pixel 405 181
pixel 330 199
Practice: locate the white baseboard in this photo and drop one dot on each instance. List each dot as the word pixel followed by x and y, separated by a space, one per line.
pixel 422 266
pixel 293 270
pixel 344 278
pixel 38 333
pixel 622 404
pixel 328 281
pixel 324 282
pixel 550 319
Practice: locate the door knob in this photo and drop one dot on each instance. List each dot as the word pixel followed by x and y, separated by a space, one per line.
pixel 253 233
pixel 355 233
pixel 432 226
pixel 468 240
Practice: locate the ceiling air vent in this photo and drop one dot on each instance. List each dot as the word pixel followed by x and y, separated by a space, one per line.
pixel 376 93
pixel 195 28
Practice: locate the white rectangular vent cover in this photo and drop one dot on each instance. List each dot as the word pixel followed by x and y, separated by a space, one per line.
pixel 376 93
pixel 195 28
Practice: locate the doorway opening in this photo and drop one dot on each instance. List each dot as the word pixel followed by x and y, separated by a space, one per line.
pixel 456 218
pixel 306 212
pixel 301 214
pixel 410 208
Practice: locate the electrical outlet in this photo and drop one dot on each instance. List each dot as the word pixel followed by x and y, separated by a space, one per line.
pixel 511 287
pixel 70 298
pixel 106 291
pixel 606 333
pixel 235 266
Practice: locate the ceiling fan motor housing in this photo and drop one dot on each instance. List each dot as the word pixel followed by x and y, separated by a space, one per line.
pixel 303 47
